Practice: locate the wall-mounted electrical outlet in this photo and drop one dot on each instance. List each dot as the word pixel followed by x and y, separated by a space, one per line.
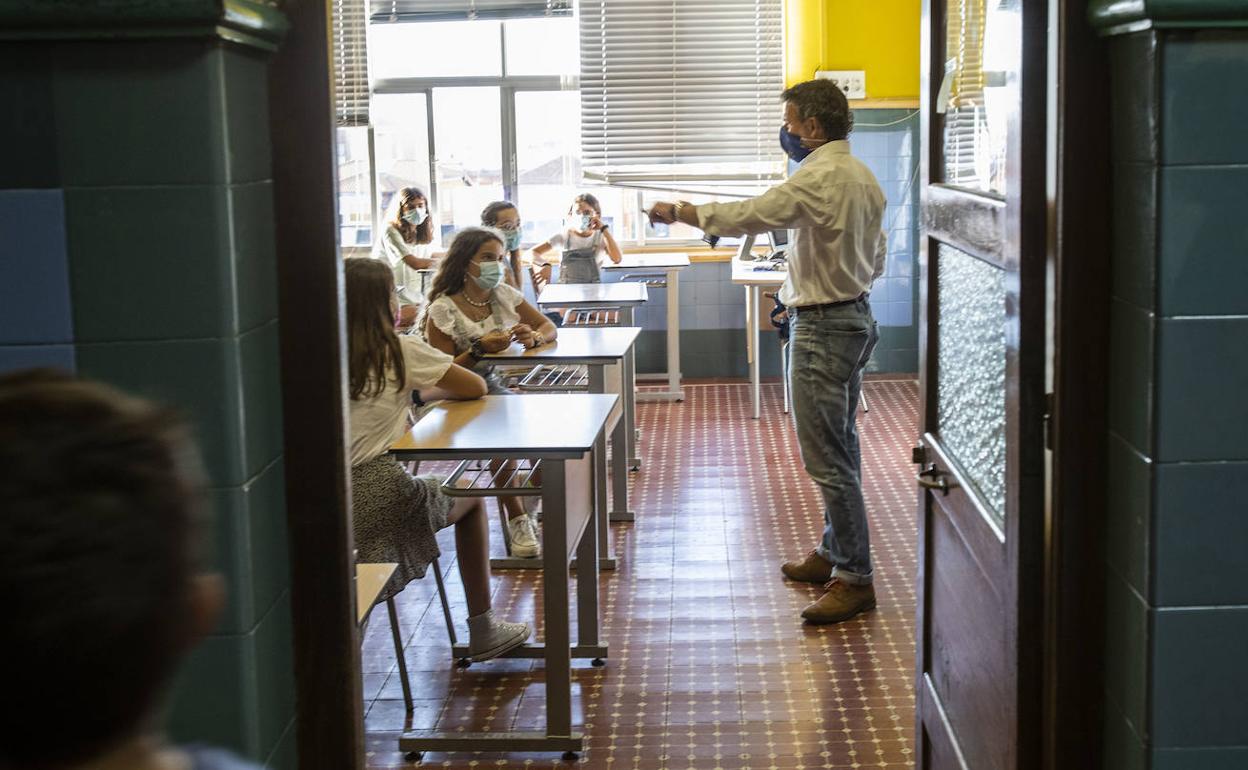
pixel 852 82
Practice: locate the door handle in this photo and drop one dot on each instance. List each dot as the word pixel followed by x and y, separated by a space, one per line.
pixel 935 479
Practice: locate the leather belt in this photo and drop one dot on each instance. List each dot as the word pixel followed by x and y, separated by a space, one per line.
pixel 842 303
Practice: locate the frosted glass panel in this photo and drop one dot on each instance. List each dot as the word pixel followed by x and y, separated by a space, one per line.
pixel 971 370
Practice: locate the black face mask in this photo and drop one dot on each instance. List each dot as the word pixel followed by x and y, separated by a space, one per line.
pixel 792 145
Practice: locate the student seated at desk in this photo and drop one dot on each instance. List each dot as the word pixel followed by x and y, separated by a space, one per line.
pixel 406 247
pixel 471 312
pixel 586 242
pixel 102 545
pixel 397 514
pixel 505 217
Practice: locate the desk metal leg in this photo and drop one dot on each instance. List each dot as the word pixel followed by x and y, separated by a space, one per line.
pixel 555 598
pixel 671 375
pixel 587 585
pixel 673 335
pixel 619 475
pixel 597 384
pixel 753 332
pixel 556 650
pixel 628 388
pixel 749 324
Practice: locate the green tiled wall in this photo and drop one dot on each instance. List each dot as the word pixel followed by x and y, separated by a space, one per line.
pixel 148 242
pixel 1177 526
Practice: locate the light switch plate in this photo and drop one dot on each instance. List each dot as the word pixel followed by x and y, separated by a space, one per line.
pixel 852 82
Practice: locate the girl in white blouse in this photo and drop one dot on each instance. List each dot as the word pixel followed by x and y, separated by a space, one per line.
pixel 472 312
pixel 406 246
pixel 396 514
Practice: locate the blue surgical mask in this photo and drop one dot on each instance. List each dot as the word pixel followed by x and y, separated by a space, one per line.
pixel 578 222
pixel 513 240
pixel 491 275
pixel 792 145
pixel 416 216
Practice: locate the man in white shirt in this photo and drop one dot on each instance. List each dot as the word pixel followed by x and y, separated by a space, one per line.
pixel 835 208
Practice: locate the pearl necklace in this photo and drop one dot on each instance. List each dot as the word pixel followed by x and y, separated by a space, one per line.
pixel 473 302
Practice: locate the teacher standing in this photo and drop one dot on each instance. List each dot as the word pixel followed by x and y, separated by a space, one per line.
pixel 835 208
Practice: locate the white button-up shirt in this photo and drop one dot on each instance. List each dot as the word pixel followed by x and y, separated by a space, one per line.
pixel 835 208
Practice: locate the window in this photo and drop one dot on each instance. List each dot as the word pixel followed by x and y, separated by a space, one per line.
pixel 401 146
pixel 495 121
pixel 548 170
pixel 541 46
pixel 441 49
pixel 981 52
pixel 467 155
pixel 355 199
pixel 350 81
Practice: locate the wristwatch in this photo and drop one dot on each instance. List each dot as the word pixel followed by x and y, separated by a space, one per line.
pixel 475 349
pixel 676 207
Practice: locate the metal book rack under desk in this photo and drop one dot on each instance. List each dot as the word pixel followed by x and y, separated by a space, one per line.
pixel 593 316
pixel 555 378
pixel 516 478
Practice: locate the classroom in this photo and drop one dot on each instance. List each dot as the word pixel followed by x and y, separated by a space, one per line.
pixel 624 384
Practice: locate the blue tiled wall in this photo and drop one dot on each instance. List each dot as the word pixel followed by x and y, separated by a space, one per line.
pixel 36 322
pixel 1177 611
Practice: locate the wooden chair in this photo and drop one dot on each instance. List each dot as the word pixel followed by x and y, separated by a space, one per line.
pixel 369 584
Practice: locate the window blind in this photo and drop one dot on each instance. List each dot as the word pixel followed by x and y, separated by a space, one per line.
pixel 964 43
pixel 386 11
pixel 683 91
pixel 350 62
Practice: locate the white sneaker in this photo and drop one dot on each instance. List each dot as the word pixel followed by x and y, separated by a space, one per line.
pixel 523 537
pixel 489 638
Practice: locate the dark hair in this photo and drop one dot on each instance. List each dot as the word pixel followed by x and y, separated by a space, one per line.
pixel 97 531
pixel 422 233
pixel 824 101
pixel 373 349
pixel 589 199
pixel 453 268
pixel 489 215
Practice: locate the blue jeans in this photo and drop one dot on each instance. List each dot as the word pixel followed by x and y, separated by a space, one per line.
pixel 828 349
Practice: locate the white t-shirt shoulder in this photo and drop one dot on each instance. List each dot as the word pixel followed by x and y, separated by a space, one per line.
pixel 504 313
pixel 378 421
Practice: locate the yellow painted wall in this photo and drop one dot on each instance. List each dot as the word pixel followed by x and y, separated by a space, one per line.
pixel 878 36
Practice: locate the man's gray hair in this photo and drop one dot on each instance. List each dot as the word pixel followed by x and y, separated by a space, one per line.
pixel 823 100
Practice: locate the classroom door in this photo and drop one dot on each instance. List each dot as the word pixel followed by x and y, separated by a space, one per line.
pixel 982 350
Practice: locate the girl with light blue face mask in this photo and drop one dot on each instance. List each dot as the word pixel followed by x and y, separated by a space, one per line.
pixel 505 217
pixel 586 242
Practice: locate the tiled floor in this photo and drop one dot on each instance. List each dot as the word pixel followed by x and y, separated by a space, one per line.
pixel 710 666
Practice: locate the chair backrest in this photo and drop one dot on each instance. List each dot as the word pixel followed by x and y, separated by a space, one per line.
pixel 540 277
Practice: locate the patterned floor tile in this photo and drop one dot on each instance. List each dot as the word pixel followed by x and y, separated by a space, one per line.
pixel 710 666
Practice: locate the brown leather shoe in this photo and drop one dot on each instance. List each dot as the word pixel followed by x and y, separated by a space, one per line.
pixel 813 569
pixel 840 601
